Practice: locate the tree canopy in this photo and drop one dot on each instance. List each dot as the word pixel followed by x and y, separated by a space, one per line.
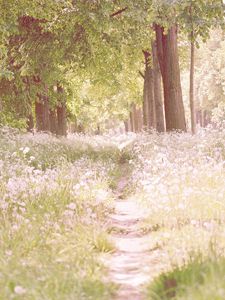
pixel 93 50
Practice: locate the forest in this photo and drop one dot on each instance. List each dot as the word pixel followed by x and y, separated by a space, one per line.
pixel 112 149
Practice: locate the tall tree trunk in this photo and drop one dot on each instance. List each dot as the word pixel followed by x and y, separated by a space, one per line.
pixel 159 109
pixel 192 103
pixel 145 94
pixel 167 51
pixel 61 118
pixel 149 101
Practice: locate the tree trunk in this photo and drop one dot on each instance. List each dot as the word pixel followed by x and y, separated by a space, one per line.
pixel 140 119
pixel 192 104
pixel 202 112
pixel 39 116
pixel 198 116
pixel 61 118
pixel 61 112
pixel 46 113
pixel 145 95
pixel 132 121
pixel 206 118
pixel 1 105
pixel 53 121
pixel 149 102
pixel 167 51
pixel 159 109
pixel 126 125
pixel 42 113
pixel 135 118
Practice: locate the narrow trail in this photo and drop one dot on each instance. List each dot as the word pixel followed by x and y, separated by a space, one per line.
pixel 130 264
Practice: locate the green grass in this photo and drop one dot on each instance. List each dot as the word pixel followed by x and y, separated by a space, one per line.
pixel 199 279
pixel 53 256
pixel 179 179
pixel 43 151
pixel 53 217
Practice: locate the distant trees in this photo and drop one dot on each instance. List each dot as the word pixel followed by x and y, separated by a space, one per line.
pixel 193 19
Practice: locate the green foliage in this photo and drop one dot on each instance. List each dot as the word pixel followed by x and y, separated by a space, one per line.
pixel 93 49
pixel 45 151
pixel 9 119
pixel 198 17
pixel 209 73
pixel 199 279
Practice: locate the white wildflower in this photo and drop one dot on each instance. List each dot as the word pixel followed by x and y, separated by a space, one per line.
pixel 19 290
pixel 72 206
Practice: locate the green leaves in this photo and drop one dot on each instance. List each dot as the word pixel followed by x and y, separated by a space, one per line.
pixel 96 42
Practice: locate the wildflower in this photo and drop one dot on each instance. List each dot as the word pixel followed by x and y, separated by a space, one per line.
pixel 8 252
pixel 72 206
pixel 19 290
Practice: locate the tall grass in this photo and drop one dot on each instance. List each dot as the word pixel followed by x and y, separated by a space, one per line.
pixel 179 179
pixel 54 202
pixel 199 279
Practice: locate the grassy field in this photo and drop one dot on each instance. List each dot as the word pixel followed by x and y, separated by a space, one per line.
pixel 55 197
pixel 180 179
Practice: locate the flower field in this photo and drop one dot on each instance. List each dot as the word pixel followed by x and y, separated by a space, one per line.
pixel 56 197
pixel 180 180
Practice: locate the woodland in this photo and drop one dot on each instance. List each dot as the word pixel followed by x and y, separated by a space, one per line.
pixel 112 149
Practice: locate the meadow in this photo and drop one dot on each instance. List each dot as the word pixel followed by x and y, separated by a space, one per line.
pixel 56 196
pixel 179 179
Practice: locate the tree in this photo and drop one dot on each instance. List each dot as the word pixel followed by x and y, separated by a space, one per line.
pixel 149 99
pixel 92 45
pixel 169 64
pixel 159 107
pixel 196 18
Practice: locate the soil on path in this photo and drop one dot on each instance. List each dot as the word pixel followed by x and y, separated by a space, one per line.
pixel 130 264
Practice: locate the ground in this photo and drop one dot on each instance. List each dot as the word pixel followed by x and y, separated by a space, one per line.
pixel 138 217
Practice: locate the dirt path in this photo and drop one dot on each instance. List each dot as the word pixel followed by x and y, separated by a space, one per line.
pixel 129 266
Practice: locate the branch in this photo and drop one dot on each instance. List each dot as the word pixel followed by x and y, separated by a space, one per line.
pixel 118 12
pixel 142 75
